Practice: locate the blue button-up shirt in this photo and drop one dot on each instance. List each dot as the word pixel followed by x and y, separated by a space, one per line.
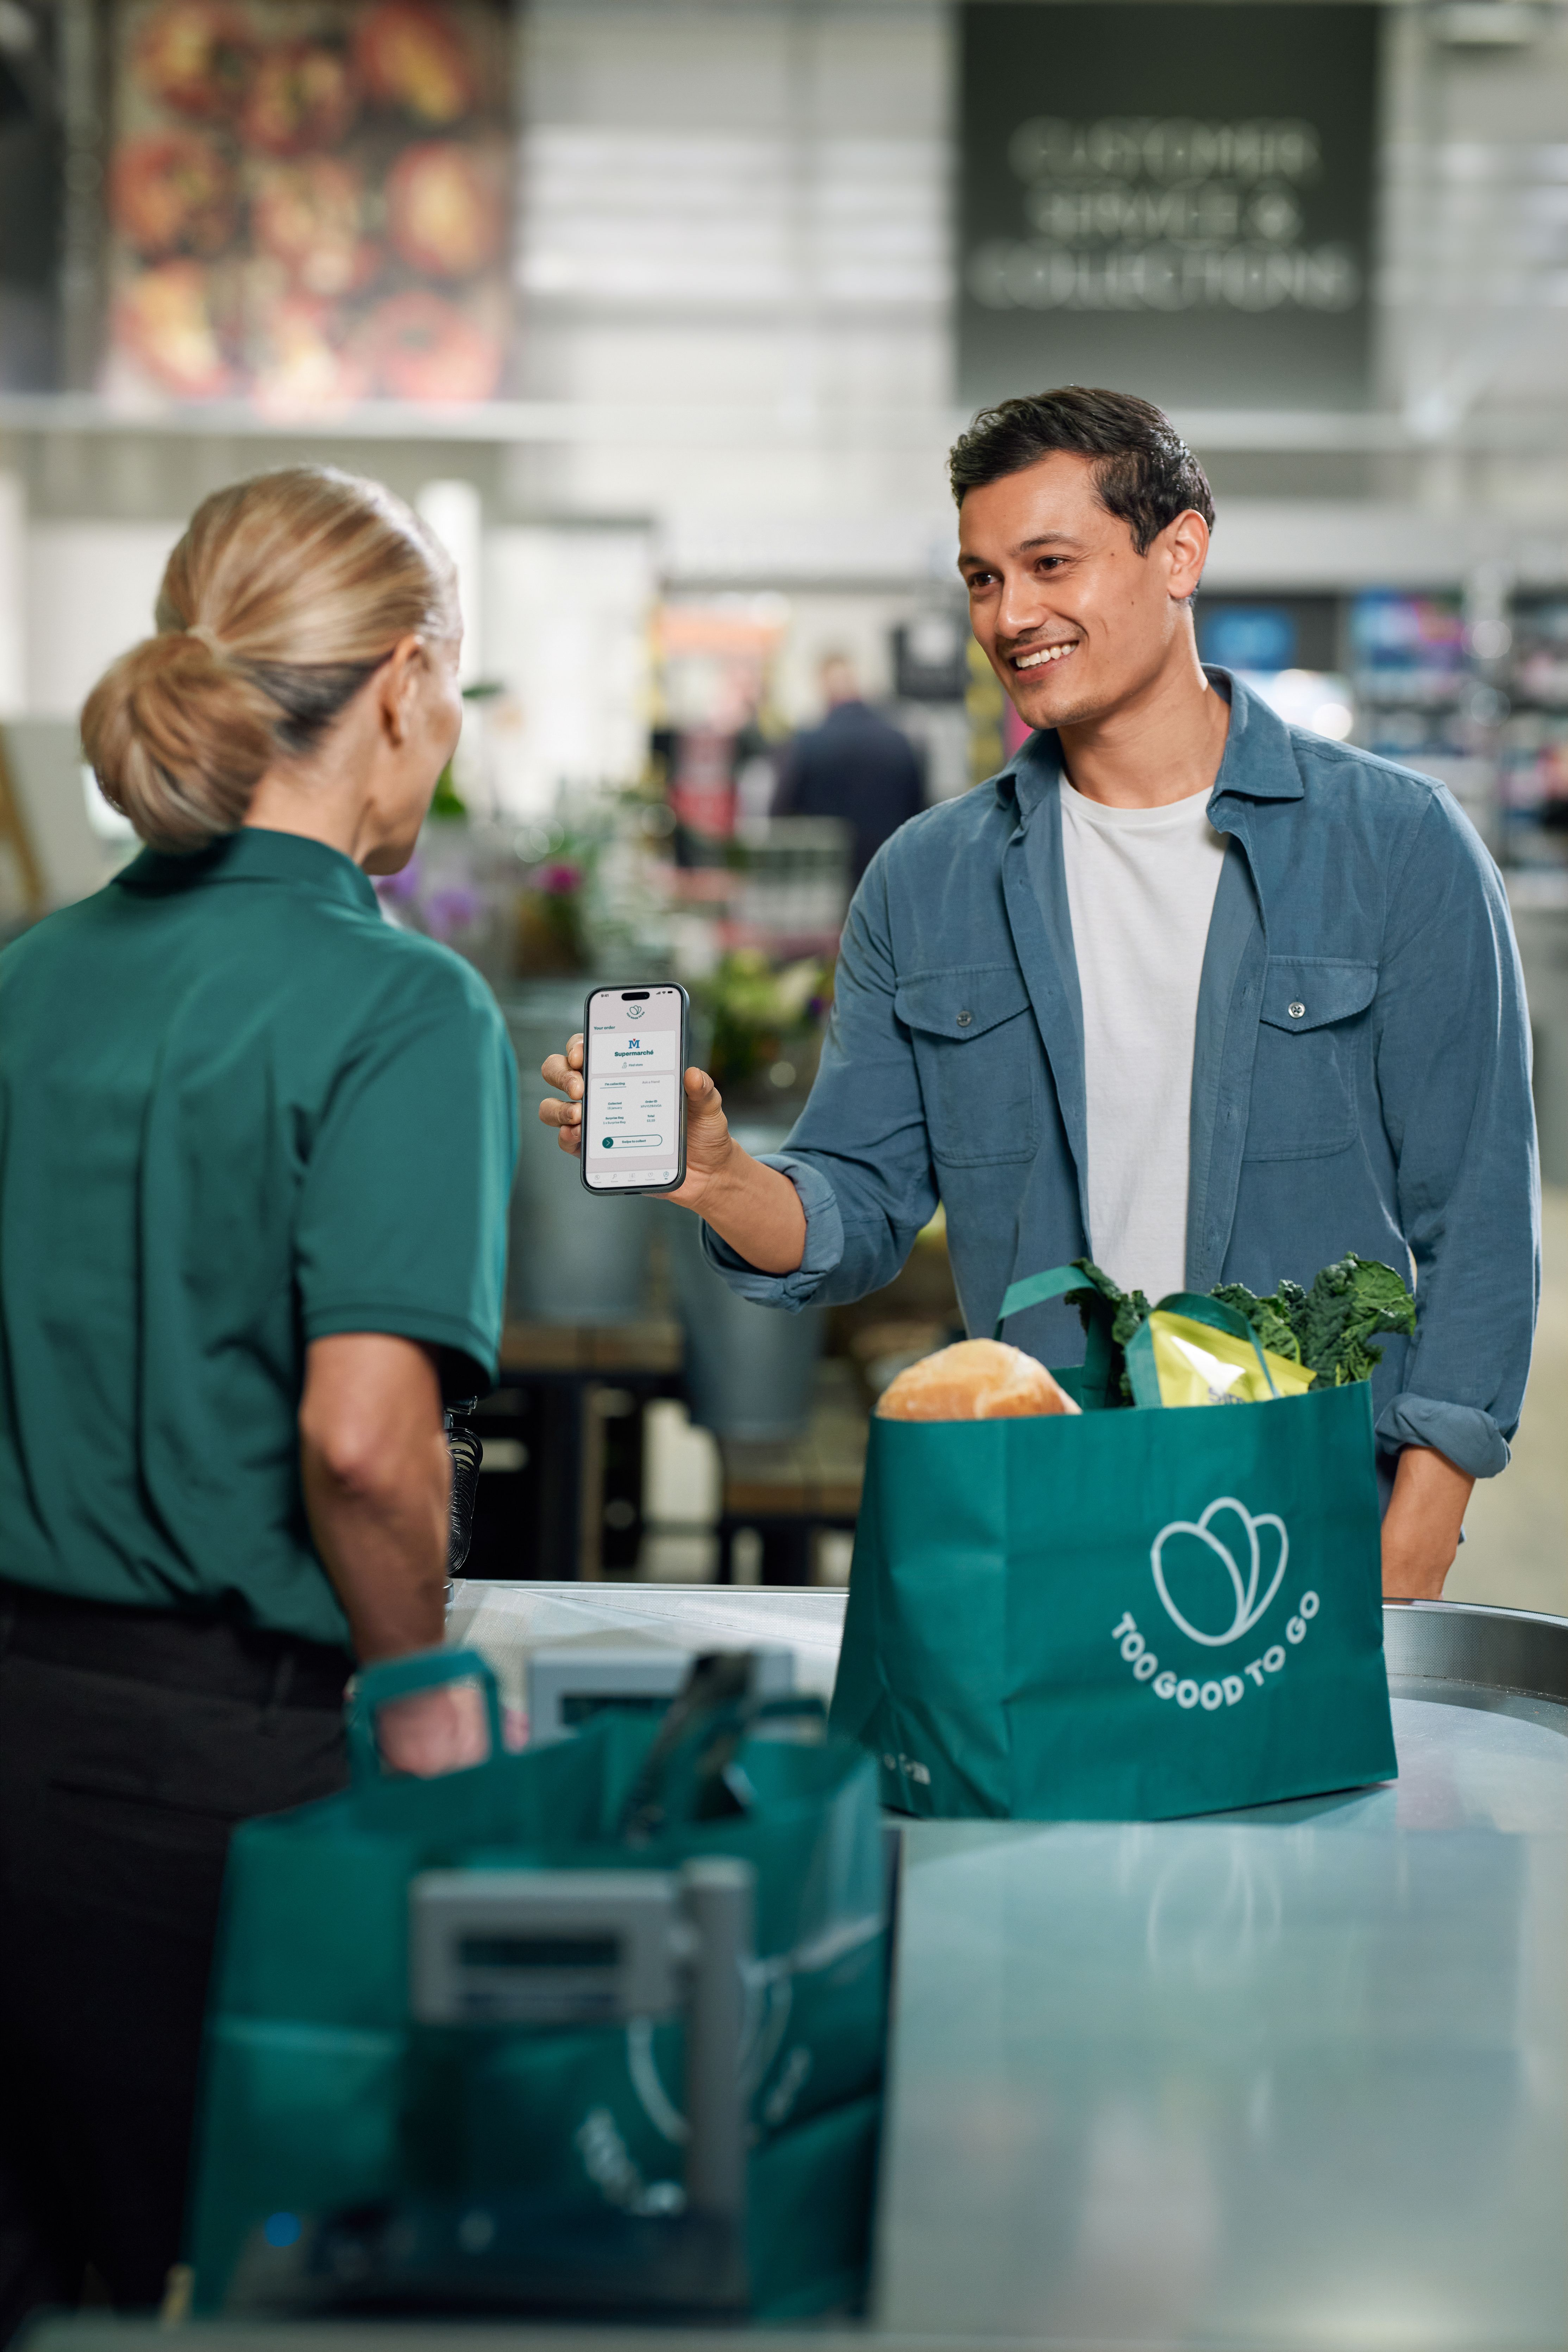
pixel 1361 1075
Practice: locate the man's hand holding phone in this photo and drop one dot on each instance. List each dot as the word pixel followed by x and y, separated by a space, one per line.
pixel 755 1209
pixel 708 1139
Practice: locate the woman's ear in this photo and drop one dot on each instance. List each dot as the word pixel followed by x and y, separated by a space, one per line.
pixel 400 677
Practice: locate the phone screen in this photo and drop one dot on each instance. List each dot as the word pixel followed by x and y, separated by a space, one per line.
pixel 632 1104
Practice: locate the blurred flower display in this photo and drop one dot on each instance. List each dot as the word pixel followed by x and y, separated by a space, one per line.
pixel 578 894
pixel 554 937
pixel 765 1020
pixel 284 225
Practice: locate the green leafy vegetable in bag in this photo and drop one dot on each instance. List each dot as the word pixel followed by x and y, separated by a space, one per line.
pixel 1274 1320
pixel 1332 1324
pixel 1329 1329
pixel 1131 1306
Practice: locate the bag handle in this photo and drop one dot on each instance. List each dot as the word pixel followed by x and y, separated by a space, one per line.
pixel 1197 1308
pixel 1099 1353
pixel 376 1686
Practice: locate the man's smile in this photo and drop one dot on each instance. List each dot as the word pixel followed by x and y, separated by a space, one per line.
pixel 1044 654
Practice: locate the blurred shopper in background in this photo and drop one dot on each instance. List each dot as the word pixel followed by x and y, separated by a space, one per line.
pixel 1206 996
pixel 256 1147
pixel 855 766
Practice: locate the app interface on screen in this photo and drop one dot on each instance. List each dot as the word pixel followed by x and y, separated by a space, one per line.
pixel 631 1118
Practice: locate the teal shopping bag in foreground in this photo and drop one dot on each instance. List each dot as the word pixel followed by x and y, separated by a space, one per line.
pixel 321 2093
pixel 1122 1615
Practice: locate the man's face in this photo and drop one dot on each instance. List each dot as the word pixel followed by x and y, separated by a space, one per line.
pixel 1073 619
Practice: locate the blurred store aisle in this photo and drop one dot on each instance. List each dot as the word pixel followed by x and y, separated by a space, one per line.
pixel 1516 1552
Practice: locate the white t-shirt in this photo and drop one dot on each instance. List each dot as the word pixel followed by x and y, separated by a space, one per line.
pixel 1141 890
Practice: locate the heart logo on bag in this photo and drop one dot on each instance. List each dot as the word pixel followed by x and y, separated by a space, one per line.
pixel 1246 1606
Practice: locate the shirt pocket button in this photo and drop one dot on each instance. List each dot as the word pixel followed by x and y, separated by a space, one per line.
pixel 1296 1010
pixel 965 1019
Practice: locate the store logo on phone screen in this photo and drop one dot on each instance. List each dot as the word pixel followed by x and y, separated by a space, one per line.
pixel 634 1011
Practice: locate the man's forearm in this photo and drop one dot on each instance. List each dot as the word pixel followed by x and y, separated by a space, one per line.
pixel 757 1211
pixel 1421 1529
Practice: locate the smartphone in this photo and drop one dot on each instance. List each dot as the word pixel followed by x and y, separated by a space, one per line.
pixel 633 1089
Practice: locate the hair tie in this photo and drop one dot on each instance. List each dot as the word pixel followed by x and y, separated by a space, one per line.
pixel 208 638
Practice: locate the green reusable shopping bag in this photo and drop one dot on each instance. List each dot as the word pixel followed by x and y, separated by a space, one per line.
pixel 1120 1616
pixel 320 2093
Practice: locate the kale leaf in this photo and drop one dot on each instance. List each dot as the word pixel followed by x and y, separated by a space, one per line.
pixel 1347 1304
pixel 1278 1321
pixel 1131 1309
pixel 1329 1329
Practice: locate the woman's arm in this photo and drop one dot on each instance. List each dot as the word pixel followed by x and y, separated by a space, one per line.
pixel 377 1478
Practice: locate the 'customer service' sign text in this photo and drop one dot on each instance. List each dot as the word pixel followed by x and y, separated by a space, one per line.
pixel 1168 198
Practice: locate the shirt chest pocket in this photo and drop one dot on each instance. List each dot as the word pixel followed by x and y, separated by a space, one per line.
pixel 1311 1036
pixel 978 1054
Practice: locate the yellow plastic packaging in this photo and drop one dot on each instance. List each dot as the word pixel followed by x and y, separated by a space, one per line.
pixel 1196 1364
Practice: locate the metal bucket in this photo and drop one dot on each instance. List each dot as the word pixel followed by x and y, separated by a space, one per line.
pixel 750 1370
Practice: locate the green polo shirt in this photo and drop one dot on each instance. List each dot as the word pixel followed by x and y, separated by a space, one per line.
pixel 238 1111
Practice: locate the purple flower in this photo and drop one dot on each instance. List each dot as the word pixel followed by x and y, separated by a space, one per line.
pixel 400 886
pixel 559 881
pixel 453 909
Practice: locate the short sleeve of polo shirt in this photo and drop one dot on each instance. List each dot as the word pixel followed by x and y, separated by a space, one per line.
pixel 403 1216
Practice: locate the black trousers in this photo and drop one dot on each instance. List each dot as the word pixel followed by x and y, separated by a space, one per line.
pixel 130 1743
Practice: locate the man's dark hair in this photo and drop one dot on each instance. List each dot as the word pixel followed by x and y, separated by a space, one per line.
pixel 1146 475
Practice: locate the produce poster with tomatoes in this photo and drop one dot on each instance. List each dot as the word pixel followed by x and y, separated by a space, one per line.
pixel 308 201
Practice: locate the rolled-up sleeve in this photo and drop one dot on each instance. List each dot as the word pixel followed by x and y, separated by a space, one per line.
pixel 823 1243
pixel 860 1155
pixel 1452 1045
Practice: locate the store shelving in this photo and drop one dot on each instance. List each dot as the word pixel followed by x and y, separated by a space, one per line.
pixel 1533 786
pixel 1422 697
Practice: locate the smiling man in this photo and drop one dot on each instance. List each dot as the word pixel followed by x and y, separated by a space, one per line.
pixel 1203 995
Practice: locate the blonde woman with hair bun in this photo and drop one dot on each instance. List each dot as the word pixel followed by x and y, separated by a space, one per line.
pixel 256 1147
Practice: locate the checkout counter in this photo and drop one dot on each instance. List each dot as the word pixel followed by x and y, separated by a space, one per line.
pixel 1295 2078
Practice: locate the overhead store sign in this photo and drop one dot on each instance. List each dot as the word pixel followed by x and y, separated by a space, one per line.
pixel 1169 199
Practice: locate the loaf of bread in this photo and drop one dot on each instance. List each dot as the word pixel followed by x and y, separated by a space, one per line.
pixel 978 1379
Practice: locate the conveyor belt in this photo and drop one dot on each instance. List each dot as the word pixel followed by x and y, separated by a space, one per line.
pixel 504 1622
pixel 1291 2080
pixel 1292 2077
